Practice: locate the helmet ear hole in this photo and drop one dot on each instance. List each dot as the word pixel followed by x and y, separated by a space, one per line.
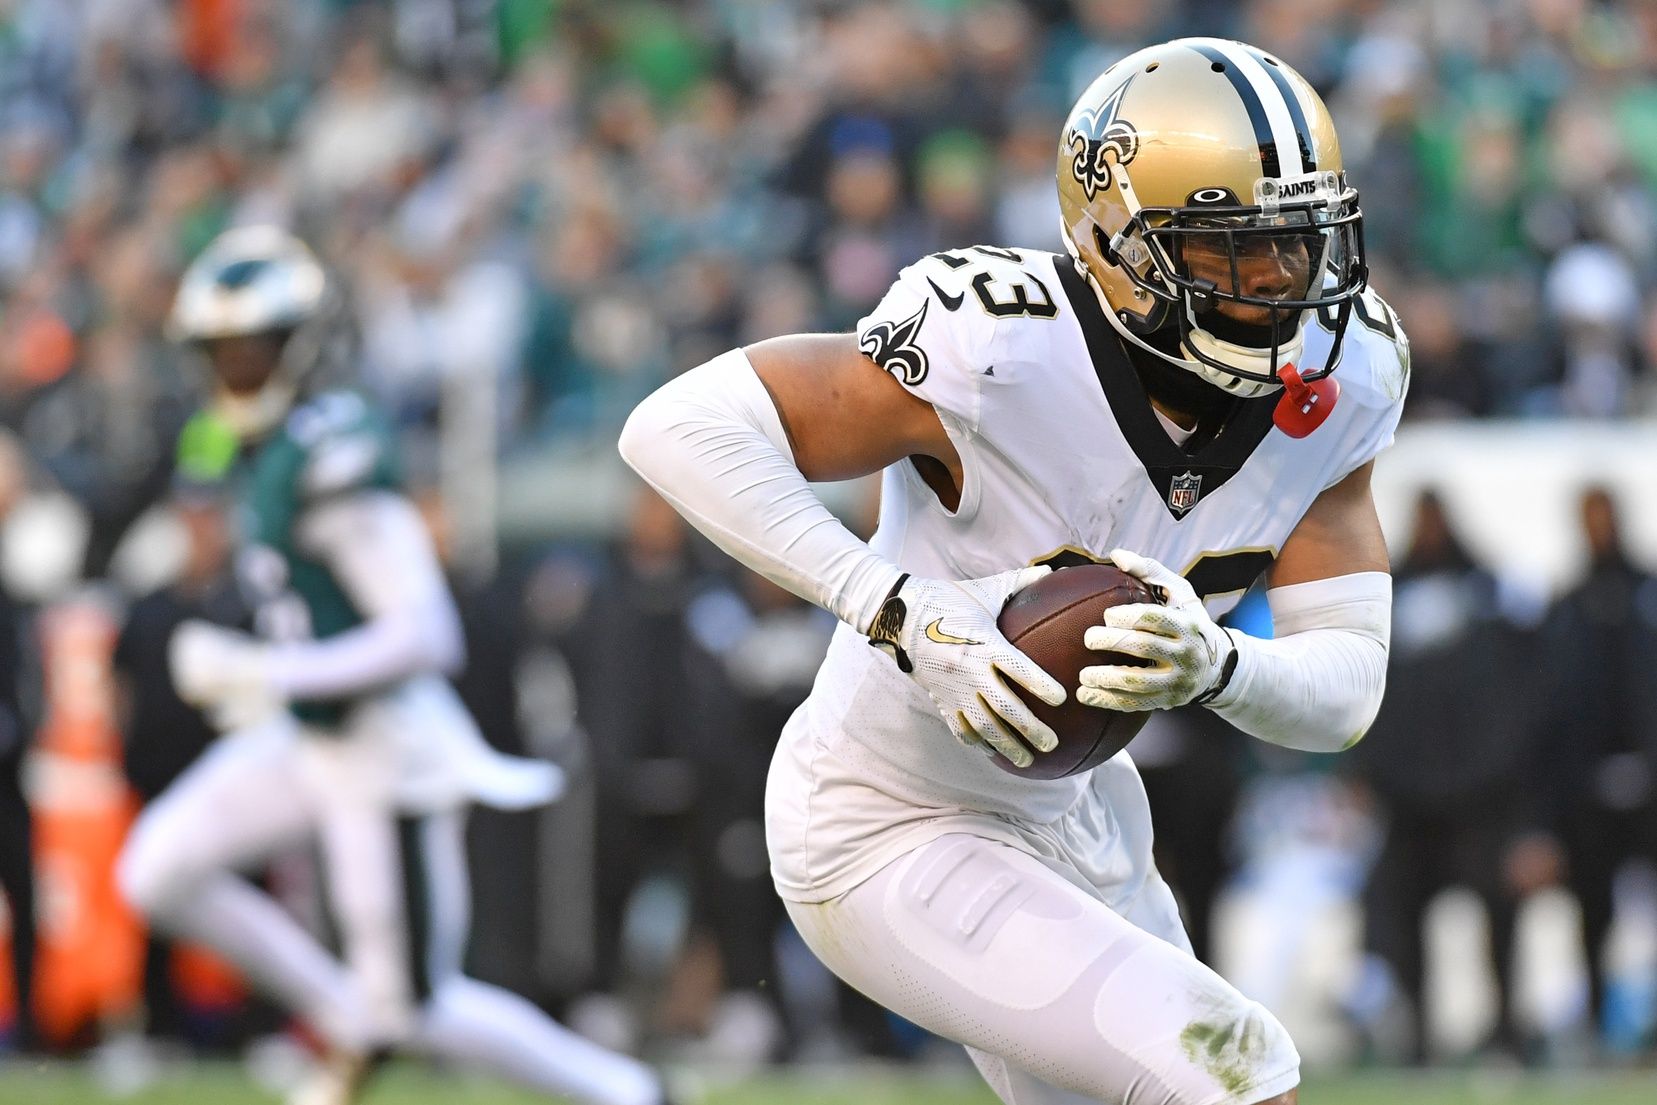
pixel 1130 257
pixel 1102 244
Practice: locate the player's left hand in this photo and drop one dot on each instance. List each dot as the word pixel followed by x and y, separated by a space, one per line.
pixel 1186 652
pixel 224 672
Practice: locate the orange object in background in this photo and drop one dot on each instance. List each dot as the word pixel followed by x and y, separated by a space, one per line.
pixel 207 31
pixel 8 988
pixel 203 981
pixel 90 960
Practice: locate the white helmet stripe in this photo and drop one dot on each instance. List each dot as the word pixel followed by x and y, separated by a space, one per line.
pixel 1295 96
pixel 1272 99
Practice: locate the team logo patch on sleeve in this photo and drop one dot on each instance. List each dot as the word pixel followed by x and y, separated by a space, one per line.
pixel 891 345
pixel 1183 492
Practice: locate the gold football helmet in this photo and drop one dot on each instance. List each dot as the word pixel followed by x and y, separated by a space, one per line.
pixel 1201 187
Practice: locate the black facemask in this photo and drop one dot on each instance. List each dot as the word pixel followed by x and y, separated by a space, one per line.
pixel 1248 334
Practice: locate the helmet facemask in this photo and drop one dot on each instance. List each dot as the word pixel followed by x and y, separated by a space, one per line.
pixel 260 310
pixel 1201 192
pixel 1239 280
pixel 253 382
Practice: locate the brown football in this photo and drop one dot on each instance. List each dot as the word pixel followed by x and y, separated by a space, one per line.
pixel 1046 621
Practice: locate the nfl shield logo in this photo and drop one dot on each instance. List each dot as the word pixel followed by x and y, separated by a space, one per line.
pixel 1183 492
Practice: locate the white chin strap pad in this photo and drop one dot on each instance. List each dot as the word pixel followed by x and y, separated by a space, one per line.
pixel 252 415
pixel 1245 358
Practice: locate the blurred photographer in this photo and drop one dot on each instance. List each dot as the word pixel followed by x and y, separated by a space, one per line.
pixel 1598 734
pixel 1446 764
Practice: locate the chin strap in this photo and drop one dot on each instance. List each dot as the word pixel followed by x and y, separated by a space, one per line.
pixel 254 415
pixel 1304 406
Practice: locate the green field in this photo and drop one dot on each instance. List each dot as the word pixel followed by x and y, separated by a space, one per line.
pixel 62 1084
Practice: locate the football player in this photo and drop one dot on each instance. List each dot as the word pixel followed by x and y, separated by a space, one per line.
pixel 340 725
pixel 1196 393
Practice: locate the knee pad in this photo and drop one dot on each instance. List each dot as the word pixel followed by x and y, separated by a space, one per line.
pixel 961 897
pixel 139 874
pixel 152 873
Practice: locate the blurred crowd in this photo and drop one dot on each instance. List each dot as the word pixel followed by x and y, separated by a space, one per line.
pixel 568 202
pixel 561 204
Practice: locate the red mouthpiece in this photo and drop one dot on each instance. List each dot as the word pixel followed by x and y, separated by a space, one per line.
pixel 1304 406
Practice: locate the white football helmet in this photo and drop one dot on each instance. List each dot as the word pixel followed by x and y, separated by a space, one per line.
pixel 256 280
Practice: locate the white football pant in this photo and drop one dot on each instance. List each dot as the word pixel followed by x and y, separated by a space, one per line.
pixel 1059 999
pixel 399 897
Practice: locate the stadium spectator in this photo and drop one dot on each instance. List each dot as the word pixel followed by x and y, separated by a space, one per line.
pixel 629 654
pixel 1598 732
pixel 161 734
pixel 1445 767
pixel 17 876
pixel 1592 294
pixel 756 650
pixel 1189 761
pixel 502 687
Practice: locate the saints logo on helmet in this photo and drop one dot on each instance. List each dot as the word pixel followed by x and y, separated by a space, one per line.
pixel 1097 138
pixel 260 308
pixel 1204 198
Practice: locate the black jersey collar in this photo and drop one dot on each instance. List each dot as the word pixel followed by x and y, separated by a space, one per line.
pixel 1183 476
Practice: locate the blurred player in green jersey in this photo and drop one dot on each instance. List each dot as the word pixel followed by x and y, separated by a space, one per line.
pixel 340 726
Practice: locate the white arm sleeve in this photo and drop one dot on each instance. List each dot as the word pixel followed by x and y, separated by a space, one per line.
pixel 711 443
pixel 1317 684
pixel 378 549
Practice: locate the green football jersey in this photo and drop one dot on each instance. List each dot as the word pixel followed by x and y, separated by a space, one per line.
pixel 333 444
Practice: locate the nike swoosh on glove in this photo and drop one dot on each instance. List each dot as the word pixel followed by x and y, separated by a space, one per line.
pixel 944 635
pixel 223 672
pixel 1189 657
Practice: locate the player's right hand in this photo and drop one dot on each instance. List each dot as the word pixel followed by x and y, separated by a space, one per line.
pixel 944 634
pixel 223 672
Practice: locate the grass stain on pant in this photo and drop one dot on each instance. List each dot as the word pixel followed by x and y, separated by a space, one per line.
pixel 1230 1048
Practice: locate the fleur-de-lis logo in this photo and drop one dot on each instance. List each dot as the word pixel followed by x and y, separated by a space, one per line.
pixel 1094 138
pixel 891 345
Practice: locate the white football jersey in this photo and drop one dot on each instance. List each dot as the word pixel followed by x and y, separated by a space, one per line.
pixel 1063 459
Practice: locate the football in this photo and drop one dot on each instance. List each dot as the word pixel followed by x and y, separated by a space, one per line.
pixel 1046 621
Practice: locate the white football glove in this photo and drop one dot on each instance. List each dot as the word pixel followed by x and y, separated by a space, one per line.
pixel 944 634
pixel 224 672
pixel 1190 657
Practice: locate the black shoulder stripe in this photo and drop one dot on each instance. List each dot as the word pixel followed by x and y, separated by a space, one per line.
pixel 1214 458
pixel 1269 164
